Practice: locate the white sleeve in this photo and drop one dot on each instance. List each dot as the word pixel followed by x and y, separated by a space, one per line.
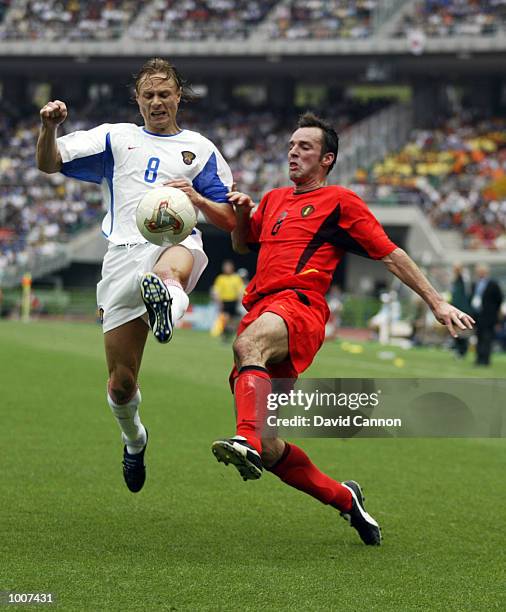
pixel 86 154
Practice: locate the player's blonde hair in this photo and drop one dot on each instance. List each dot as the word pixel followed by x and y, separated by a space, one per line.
pixel 158 65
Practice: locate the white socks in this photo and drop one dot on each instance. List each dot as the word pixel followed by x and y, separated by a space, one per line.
pixel 127 416
pixel 180 300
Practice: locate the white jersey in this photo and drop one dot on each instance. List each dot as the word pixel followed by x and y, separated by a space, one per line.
pixel 127 160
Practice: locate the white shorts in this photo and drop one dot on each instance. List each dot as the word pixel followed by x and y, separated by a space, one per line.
pixel 118 293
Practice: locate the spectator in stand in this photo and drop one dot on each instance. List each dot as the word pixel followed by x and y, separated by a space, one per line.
pixel 456 173
pixel 69 19
pixel 36 214
pixel 321 19
pixel 201 19
pixel 442 18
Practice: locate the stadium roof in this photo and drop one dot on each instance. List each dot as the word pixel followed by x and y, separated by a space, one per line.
pixel 308 60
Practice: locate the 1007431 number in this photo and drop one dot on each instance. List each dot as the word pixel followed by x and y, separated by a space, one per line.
pixel 17 598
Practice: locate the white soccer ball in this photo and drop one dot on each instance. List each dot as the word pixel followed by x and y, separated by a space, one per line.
pixel 165 216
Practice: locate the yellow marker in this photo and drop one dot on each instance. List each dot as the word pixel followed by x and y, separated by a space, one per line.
pixel 399 362
pixel 356 349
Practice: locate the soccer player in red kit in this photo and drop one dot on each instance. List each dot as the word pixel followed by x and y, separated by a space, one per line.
pixel 302 234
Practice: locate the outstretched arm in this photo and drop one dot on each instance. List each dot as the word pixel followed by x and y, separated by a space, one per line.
pixel 243 205
pixel 52 115
pixel 400 263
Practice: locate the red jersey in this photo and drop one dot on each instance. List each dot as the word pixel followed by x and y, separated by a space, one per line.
pixel 303 237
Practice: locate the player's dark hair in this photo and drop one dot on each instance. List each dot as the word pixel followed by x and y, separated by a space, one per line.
pixel 157 65
pixel 330 140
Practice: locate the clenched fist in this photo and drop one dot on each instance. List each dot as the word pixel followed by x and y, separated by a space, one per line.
pixel 53 113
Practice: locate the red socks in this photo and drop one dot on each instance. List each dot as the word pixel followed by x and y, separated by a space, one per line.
pixel 296 469
pixel 251 389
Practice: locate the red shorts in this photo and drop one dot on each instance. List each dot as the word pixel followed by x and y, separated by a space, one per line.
pixel 305 314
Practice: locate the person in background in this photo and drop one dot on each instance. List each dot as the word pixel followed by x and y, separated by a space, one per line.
pixel 486 302
pixel 460 298
pixel 228 289
pixel 335 304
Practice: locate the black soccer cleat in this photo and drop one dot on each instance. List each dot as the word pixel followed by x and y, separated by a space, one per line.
pixel 158 303
pixel 240 454
pixel 134 470
pixel 368 529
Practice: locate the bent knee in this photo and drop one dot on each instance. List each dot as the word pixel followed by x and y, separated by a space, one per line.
pixel 176 263
pixel 122 385
pixel 245 349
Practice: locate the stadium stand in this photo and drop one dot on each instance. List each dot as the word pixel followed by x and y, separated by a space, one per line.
pixel 441 18
pixel 323 19
pixel 197 27
pixel 38 212
pixel 200 19
pixel 67 19
pixel 456 174
pixel 191 20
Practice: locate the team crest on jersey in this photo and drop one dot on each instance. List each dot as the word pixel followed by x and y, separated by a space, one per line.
pixel 307 210
pixel 188 157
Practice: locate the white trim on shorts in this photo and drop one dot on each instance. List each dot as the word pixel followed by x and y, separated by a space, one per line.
pixel 118 292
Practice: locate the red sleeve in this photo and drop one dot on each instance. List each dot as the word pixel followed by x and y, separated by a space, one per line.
pixel 363 228
pixel 255 223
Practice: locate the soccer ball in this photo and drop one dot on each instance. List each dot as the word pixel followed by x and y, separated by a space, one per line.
pixel 165 216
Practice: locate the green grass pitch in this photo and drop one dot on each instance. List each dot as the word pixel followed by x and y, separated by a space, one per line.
pixel 197 537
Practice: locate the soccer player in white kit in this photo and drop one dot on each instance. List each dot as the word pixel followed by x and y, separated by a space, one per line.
pixel 140 280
